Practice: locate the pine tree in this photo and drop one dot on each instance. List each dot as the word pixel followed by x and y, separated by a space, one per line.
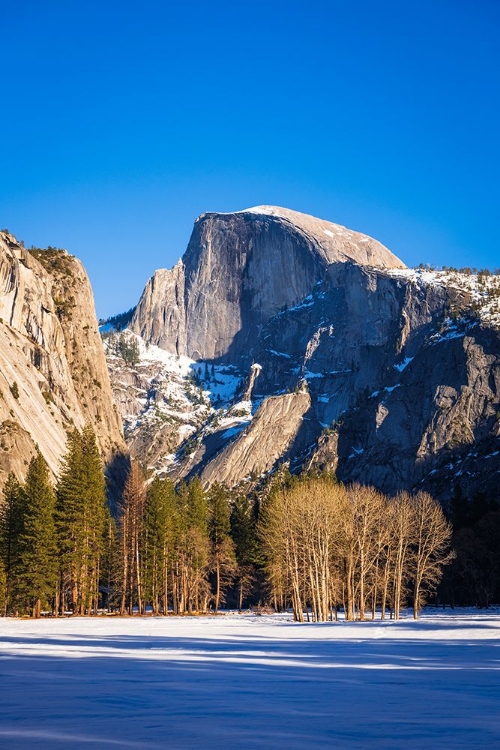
pixel 244 534
pixel 97 511
pixel 197 506
pixel 198 547
pixel 158 541
pixel 82 520
pixel 111 566
pixel 70 524
pixel 460 509
pixel 222 557
pixel 35 571
pixel 190 585
pixel 3 588
pixel 10 528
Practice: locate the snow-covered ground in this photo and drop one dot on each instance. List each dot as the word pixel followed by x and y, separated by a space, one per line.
pixel 251 682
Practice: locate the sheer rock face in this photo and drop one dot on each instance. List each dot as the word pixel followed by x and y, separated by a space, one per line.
pixel 160 316
pixel 53 372
pixel 239 270
pixel 403 387
pixel 440 427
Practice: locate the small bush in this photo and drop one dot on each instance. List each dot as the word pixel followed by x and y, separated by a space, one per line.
pixel 48 397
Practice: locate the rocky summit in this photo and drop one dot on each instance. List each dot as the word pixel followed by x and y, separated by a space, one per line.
pixel 279 337
pixel 238 272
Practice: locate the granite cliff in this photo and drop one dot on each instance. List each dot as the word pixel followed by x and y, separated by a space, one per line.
pixel 240 270
pixel 53 372
pixel 387 375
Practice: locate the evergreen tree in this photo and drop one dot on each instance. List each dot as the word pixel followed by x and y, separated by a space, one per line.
pixel 480 506
pixel 10 528
pixel 97 511
pixel 111 566
pixel 158 541
pixel 222 557
pixel 82 520
pixel 3 588
pixel 197 506
pixel 190 585
pixel 460 511
pixel 128 348
pixel 130 528
pixel 35 571
pixel 70 522
pixel 244 534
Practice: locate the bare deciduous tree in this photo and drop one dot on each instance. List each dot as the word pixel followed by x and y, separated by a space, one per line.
pixel 326 544
pixel 431 547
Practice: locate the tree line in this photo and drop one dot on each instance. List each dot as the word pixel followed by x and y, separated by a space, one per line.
pixel 305 543
pixel 328 547
pixel 170 549
pixel 473 578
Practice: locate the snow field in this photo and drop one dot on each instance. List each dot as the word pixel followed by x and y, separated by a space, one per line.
pixel 251 682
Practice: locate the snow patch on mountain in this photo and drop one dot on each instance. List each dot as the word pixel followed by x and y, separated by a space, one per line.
pixel 482 287
pixel 172 397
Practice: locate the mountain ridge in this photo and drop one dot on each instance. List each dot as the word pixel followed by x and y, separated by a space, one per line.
pixel 348 334
pixel 260 348
pixel 238 271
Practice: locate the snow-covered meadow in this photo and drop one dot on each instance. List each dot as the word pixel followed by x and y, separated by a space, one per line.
pixel 250 681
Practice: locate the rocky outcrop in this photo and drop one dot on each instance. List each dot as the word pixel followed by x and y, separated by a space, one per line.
pixel 239 270
pixel 158 399
pixel 267 441
pixel 439 427
pixel 399 367
pixel 160 316
pixel 53 373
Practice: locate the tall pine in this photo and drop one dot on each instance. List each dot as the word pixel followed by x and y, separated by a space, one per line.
pixel 35 570
pixel 158 539
pixel 82 520
pixel 130 529
pixel 70 525
pixel 10 529
pixel 190 573
pixel 222 556
pixel 98 513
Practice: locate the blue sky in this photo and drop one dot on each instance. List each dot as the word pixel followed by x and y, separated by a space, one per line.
pixel 121 122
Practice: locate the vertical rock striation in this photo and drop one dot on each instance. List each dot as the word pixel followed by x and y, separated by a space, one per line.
pixel 399 367
pixel 238 271
pixel 53 373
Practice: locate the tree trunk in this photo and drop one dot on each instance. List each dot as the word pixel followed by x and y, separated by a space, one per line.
pixel 37 609
pixel 217 585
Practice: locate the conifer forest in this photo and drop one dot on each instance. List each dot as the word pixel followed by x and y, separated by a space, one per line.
pixel 305 543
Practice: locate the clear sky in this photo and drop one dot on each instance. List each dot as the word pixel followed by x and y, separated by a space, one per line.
pixel 120 122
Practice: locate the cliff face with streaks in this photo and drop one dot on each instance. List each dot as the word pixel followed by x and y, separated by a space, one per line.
pixel 240 270
pixel 390 376
pixel 53 372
